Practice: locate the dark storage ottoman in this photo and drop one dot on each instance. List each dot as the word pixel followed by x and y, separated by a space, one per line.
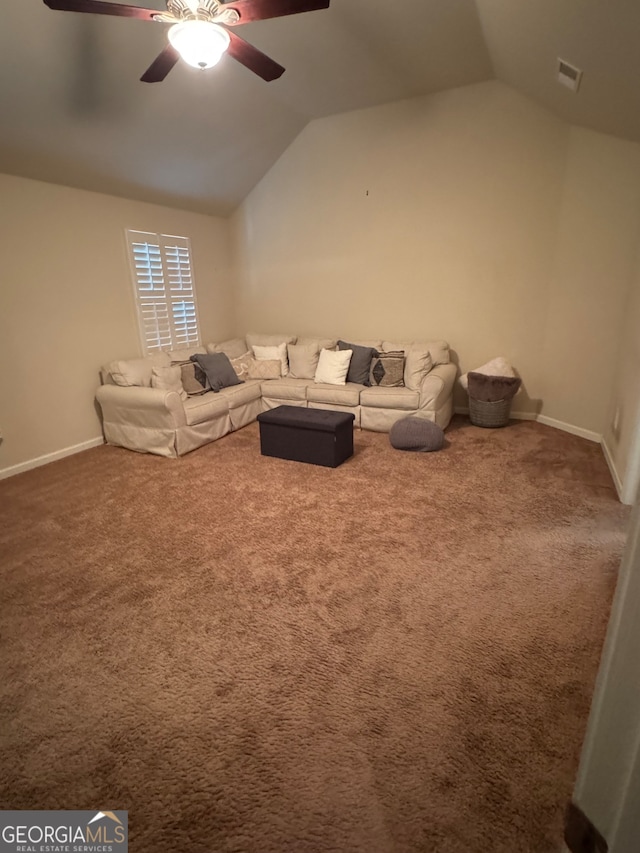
pixel 318 436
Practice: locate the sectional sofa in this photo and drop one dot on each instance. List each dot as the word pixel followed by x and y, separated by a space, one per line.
pixel 167 423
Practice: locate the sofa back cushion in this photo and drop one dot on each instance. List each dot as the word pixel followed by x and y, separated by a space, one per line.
pixel 179 356
pixel 234 347
pixel 303 360
pixel 137 371
pixel 168 379
pixel 319 343
pixel 417 364
pixel 439 349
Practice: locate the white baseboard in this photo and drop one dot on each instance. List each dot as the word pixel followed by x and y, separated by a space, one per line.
pixel 574 430
pixel 524 416
pixel 543 419
pixel 612 468
pixel 49 457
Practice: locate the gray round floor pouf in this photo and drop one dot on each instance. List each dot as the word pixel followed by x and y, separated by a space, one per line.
pixel 416 434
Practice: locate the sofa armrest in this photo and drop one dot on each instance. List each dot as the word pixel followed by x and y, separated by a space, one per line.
pixel 141 407
pixel 437 386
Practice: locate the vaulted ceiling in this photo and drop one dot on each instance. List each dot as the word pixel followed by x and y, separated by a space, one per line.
pixel 74 111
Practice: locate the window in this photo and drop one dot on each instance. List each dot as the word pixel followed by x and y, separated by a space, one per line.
pixel 164 290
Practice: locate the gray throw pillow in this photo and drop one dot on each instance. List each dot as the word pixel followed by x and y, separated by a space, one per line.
pixel 218 369
pixel 360 362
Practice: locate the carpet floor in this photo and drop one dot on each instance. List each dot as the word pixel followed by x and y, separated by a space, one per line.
pixel 258 656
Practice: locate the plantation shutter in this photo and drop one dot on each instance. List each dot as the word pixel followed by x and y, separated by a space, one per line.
pixel 164 290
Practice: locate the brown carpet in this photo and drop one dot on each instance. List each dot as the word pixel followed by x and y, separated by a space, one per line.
pixel 260 656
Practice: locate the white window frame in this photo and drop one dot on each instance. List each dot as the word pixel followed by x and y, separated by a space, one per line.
pixel 164 290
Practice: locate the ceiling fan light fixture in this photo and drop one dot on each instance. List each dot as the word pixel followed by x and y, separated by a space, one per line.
pixel 199 43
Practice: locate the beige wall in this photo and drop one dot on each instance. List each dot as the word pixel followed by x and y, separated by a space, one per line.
pixel 433 217
pixel 623 439
pixel 593 270
pixel 471 215
pixel 66 304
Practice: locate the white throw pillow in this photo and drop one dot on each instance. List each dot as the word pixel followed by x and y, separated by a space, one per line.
pixel 333 366
pixel 271 353
pixel 169 379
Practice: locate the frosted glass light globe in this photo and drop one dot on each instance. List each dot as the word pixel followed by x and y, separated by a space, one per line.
pixel 199 43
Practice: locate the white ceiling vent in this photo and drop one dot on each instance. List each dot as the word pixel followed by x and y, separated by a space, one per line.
pixel 569 75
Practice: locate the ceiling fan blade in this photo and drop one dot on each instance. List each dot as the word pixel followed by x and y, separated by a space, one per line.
pixel 253 59
pixel 161 65
pixel 260 10
pixel 97 7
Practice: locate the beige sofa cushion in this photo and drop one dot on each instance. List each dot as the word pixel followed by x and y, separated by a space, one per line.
pixel 137 372
pixel 239 395
pixel 169 379
pixel 340 395
pixel 206 407
pixel 418 363
pixel 179 356
pixel 439 349
pixel 320 343
pixel 285 389
pixel 303 360
pixel 390 398
pixel 233 348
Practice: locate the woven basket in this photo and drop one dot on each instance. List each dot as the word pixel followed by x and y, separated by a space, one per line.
pixel 489 415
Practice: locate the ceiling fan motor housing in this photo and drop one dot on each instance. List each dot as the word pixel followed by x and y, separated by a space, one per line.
pixel 202 10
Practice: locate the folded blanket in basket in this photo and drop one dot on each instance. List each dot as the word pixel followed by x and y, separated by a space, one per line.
pixel 490 389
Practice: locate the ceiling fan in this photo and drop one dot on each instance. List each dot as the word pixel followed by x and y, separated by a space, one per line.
pixel 199 32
